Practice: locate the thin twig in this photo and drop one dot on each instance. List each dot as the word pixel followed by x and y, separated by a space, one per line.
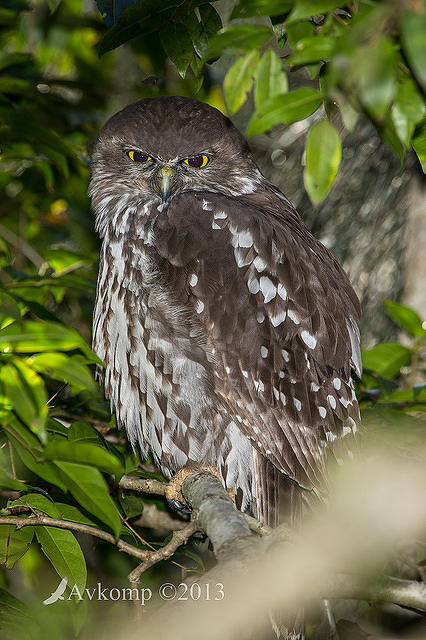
pixel 178 538
pixel 46 521
pixel 139 537
pixel 135 533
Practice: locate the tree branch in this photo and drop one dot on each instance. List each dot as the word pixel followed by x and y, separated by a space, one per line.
pixel 405 593
pixel 216 513
pixel 229 533
pixel 143 485
pixel 46 521
pixel 232 540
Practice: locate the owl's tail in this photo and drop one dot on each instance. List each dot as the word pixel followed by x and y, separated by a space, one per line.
pixel 279 500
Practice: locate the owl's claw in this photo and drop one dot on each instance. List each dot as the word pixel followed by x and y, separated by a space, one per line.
pixel 174 497
pixel 181 508
pixel 173 493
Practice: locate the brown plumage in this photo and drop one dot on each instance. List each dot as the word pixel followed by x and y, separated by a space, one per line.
pixel 228 331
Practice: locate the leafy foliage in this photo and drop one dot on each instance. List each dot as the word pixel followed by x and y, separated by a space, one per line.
pixel 61 454
pixel 392 371
pixel 366 59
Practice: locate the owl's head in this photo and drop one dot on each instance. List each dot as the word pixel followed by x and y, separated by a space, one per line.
pixel 159 147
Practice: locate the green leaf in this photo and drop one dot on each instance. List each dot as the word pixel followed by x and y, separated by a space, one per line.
pixel 31 336
pixel 413 30
pixel 10 384
pixel 413 394
pixel 307 8
pixel 349 114
pixel 15 616
pixel 132 505
pixel 312 49
pixel 253 8
pixel 90 489
pixel 6 407
pixel 36 501
pixel 141 19
pixel 111 10
pixel 14 543
pixel 298 31
pixel 56 427
pixel 82 431
pixel 35 308
pixel 239 39
pixel 71 513
pixel 62 260
pixel 29 450
pixel 390 136
pixel 405 318
pixel 25 388
pixel 419 144
pixel 285 108
pixel 46 170
pixel 407 110
pixel 6 482
pixel 400 396
pixel 84 453
pixel 271 80
pixel 48 471
pixel 58 510
pixel 177 45
pixel 196 558
pixel 9 309
pixel 69 369
pixel 65 554
pixel 239 80
pixel 377 76
pixel 386 359
pixel 323 155
pixel 209 26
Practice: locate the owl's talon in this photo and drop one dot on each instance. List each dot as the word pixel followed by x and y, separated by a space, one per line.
pixel 173 492
pixel 181 508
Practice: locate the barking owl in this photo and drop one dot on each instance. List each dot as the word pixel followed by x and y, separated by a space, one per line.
pixel 228 331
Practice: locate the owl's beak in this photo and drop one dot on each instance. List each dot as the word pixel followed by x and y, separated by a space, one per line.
pixel 165 182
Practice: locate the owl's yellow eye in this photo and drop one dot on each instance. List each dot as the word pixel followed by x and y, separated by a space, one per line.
pixel 138 156
pixel 197 162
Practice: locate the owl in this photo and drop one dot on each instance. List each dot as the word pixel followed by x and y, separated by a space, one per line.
pixel 228 331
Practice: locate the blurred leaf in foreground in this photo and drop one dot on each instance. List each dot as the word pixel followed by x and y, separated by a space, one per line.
pixel 323 155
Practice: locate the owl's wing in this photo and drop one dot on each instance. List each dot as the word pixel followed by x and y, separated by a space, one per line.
pixel 280 319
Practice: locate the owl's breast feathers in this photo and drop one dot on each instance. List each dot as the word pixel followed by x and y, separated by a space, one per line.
pixel 270 314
